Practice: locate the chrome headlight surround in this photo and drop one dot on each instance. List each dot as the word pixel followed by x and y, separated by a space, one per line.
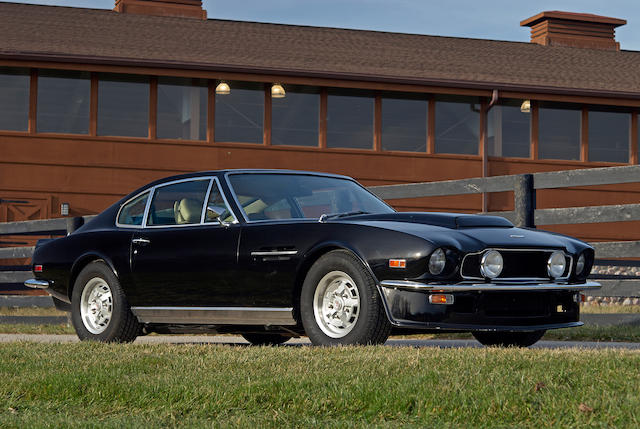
pixel 580 264
pixel 491 264
pixel 437 262
pixel 556 264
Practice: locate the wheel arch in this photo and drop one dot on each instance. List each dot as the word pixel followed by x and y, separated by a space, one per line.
pixel 316 253
pixel 81 262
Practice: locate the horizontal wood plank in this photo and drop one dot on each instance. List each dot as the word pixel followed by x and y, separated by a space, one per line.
pixel 587 177
pixel 593 214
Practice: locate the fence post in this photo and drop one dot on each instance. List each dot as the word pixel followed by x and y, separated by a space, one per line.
pixel 74 223
pixel 524 201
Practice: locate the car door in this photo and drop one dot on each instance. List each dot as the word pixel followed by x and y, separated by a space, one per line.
pixel 185 255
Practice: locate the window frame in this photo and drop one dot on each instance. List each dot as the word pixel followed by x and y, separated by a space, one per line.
pixel 152 190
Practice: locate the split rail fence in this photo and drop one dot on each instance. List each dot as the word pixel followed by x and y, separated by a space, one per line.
pixel 525 214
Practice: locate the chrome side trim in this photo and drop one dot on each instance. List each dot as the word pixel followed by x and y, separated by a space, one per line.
pixel 275 253
pixel 473 287
pixel 36 284
pixel 216 315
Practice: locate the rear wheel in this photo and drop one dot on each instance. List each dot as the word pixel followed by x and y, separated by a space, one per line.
pixel 340 304
pixel 99 309
pixel 266 339
pixel 507 339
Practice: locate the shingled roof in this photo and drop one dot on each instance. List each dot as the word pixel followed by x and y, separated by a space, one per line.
pixel 107 37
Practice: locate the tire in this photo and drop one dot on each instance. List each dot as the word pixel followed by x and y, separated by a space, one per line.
pixel 266 339
pixel 508 339
pixel 339 284
pixel 99 308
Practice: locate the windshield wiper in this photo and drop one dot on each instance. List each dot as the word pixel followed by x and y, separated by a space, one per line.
pixel 326 216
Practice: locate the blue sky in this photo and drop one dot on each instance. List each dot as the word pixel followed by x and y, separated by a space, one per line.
pixel 488 19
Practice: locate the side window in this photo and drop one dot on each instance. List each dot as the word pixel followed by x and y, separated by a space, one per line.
pixel 178 204
pixel 133 212
pixel 217 208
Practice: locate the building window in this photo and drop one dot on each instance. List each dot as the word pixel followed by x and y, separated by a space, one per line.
pixel 63 102
pixel 457 126
pixel 404 122
pixel 123 105
pixel 609 135
pixel 240 113
pixel 350 119
pixel 294 118
pixel 182 108
pixel 559 131
pixel 14 99
pixel 509 129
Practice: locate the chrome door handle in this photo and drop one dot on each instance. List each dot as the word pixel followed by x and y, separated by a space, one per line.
pixel 141 241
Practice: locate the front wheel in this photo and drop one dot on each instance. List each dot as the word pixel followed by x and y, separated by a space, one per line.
pixel 99 309
pixel 340 304
pixel 508 339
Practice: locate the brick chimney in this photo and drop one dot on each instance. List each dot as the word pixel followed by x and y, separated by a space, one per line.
pixel 180 8
pixel 579 30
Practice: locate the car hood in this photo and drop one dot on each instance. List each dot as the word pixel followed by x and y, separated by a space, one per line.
pixel 468 232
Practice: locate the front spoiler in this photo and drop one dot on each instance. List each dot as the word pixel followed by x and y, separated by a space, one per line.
pixel 477 287
pixel 483 306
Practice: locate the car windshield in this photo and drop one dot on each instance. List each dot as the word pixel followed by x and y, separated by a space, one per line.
pixel 265 196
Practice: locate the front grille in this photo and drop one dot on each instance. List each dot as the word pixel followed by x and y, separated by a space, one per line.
pixel 518 264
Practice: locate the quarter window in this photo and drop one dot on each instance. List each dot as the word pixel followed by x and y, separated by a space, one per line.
pixel 178 204
pixel 133 212
pixel 217 208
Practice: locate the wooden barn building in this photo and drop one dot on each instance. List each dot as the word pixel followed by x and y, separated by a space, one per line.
pixel 94 103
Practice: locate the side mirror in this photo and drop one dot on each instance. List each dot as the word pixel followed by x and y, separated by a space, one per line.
pixel 215 214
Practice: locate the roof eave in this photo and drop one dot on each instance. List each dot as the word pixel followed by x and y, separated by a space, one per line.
pixel 211 67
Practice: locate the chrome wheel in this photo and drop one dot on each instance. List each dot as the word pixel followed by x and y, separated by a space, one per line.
pixel 96 305
pixel 336 304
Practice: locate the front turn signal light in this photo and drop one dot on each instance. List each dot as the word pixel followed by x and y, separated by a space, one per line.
pixel 444 298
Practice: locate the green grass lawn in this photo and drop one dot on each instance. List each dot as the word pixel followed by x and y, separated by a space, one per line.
pixel 98 385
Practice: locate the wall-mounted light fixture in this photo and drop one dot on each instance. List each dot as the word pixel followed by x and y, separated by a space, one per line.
pixel 525 107
pixel 64 209
pixel 223 88
pixel 277 91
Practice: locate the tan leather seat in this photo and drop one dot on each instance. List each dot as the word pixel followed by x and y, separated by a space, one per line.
pixel 187 211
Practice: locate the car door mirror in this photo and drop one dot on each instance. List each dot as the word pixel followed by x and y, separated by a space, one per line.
pixel 214 214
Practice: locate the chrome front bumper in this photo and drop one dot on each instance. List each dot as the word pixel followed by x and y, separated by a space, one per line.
pixel 477 287
pixel 36 284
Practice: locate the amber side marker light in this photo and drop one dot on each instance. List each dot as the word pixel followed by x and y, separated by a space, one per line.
pixel 37 268
pixel 441 299
pixel 397 263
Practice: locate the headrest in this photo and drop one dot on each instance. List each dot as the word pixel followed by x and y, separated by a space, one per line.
pixel 187 211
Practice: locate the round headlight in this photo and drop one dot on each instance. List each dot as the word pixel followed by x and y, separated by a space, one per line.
pixel 491 264
pixel 580 264
pixel 437 261
pixel 556 264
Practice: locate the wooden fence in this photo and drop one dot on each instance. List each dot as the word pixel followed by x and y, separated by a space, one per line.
pixel 525 214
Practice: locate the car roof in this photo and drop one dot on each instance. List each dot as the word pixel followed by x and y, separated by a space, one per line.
pixel 247 171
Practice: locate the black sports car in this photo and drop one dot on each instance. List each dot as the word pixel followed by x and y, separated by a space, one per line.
pixel 274 254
